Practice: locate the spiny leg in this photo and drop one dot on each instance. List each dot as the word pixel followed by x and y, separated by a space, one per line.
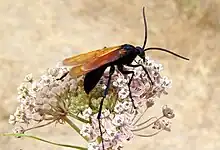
pixel 112 70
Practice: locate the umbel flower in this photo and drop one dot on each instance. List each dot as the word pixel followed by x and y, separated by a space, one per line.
pixel 52 99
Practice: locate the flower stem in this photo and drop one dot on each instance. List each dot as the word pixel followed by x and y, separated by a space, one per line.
pixel 140 116
pixel 148 124
pixel 150 135
pixel 46 141
pixel 39 126
pixel 67 120
pixel 79 118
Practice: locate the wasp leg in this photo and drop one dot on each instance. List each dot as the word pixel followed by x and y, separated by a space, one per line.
pixel 63 76
pixel 145 70
pixel 121 69
pixel 112 70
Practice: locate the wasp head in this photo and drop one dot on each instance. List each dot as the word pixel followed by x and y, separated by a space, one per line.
pixel 141 52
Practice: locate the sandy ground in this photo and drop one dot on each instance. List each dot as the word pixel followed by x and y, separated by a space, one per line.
pixel 35 35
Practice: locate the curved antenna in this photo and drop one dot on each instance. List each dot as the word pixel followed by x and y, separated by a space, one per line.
pixel 156 48
pixel 167 51
pixel 145 28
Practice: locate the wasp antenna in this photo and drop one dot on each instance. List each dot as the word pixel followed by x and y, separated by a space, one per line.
pixel 145 29
pixel 167 51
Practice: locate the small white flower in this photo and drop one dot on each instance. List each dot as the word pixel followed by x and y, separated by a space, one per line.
pixel 87 113
pixel 117 145
pixel 118 120
pixel 149 63
pixel 20 97
pixel 12 119
pixel 32 93
pixel 28 78
pixel 120 81
pixel 93 146
pixel 119 108
pixel 19 130
pixel 104 86
pixel 127 105
pixel 26 101
pixel 158 67
pixel 55 90
pixel 137 73
pixel 123 93
pixel 166 83
pixel 72 86
pixel 111 133
pixel 34 86
pixel 53 71
pixel 22 88
pixel 45 80
pixel 86 130
pixel 166 125
pixel 37 117
pixel 59 65
pixel 105 113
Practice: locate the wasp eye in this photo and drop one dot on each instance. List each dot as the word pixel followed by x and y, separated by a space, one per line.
pixel 139 50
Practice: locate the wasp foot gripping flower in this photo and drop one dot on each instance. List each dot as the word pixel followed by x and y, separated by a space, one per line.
pixel 54 99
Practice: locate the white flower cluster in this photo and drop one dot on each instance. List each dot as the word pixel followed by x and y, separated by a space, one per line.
pixel 38 98
pixel 116 127
pixel 56 97
pixel 119 125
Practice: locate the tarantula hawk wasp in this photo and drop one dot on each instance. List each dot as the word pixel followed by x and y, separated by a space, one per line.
pixel 94 63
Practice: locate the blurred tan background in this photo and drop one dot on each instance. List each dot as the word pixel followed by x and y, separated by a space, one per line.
pixel 35 35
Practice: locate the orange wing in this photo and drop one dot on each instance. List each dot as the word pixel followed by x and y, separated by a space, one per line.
pixel 87 62
pixel 88 57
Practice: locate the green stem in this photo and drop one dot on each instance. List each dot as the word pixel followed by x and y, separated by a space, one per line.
pixel 78 118
pixel 67 120
pixel 46 141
